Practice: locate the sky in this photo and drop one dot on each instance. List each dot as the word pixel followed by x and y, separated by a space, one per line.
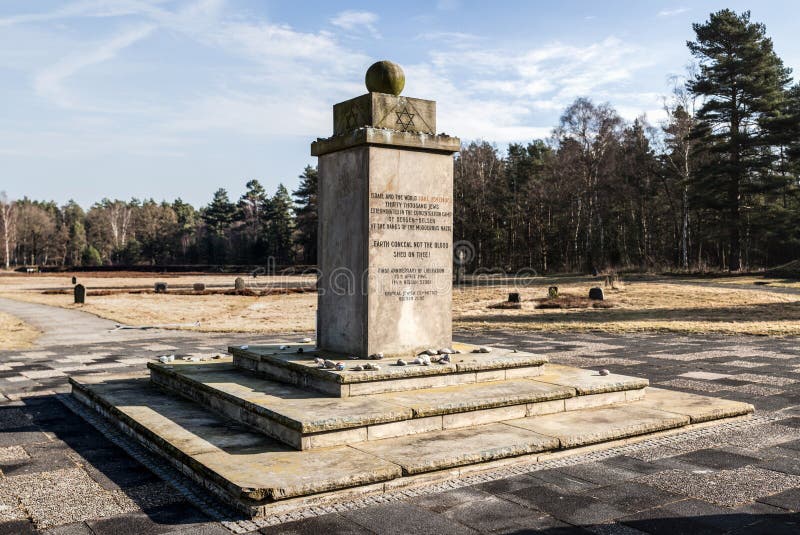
pixel 164 99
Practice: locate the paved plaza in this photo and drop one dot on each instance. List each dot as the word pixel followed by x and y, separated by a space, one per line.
pixel 61 474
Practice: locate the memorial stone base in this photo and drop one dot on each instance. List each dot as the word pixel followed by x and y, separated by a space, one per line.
pixel 268 431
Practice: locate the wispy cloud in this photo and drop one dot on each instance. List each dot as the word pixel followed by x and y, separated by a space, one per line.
pixel 49 83
pixel 352 20
pixel 513 93
pixel 672 12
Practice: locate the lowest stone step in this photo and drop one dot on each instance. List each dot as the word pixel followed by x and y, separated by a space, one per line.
pixel 294 364
pixel 257 474
pixel 305 419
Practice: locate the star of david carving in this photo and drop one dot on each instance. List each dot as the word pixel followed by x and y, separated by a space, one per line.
pixel 405 120
pixel 351 120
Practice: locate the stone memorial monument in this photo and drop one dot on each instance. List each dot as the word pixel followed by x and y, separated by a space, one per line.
pixel 386 223
pixel 280 427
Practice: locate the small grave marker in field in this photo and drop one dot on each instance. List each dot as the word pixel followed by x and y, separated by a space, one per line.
pixel 80 294
pixel 596 293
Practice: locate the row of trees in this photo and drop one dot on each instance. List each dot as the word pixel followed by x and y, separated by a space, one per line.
pixel 716 186
pixel 115 232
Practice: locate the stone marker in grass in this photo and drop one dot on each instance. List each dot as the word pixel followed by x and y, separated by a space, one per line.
pixel 80 294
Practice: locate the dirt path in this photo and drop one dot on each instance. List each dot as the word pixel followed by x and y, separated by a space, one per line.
pixel 60 326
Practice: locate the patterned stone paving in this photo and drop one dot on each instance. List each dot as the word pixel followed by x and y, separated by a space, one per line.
pixel 58 474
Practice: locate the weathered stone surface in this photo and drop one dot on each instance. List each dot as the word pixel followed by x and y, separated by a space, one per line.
pixel 465 362
pixel 298 409
pixel 457 447
pixel 245 464
pixel 385 77
pixel 589 426
pixel 476 396
pixel 698 408
pixel 379 110
pixel 589 381
pixel 386 138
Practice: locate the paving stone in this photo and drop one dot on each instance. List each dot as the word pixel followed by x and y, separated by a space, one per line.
pixel 764 379
pixel 401 518
pixel 717 459
pixel 331 523
pixel 559 481
pixel 60 497
pixel 493 514
pixel 791 422
pixel 708 376
pixel 690 384
pixel 788 499
pixel 600 473
pixel 633 464
pixel 632 496
pixel 442 501
pixel 11 418
pixel 22 436
pixel 17 527
pixel 571 508
pixel 42 457
pixel 163 520
pixel 614 528
pixel 13 455
pixel 726 487
pixel 771 525
pixel 744 364
pixel 685 517
pixel 77 528
pixel 147 496
pixel 508 484
pixel 792 445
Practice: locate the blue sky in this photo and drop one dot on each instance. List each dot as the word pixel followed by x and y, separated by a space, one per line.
pixel 166 99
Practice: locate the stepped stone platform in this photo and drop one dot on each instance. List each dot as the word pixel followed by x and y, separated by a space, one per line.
pixel 264 445
pixel 294 364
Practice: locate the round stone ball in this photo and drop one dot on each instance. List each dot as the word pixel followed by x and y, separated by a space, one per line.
pixel 385 77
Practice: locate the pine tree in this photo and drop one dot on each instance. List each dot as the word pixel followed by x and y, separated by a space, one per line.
pixel 252 211
pixel 218 217
pixel 741 82
pixel 305 213
pixel 280 226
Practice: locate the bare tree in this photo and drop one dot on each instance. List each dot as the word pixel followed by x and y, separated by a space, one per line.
pixel 8 226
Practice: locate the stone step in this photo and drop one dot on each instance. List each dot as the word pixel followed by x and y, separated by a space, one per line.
pixel 241 467
pixel 294 364
pixel 305 419
pixel 256 473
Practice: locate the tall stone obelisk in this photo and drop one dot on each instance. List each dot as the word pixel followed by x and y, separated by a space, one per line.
pixel 385 203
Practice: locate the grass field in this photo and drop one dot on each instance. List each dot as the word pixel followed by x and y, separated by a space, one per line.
pixel 689 305
pixel 15 333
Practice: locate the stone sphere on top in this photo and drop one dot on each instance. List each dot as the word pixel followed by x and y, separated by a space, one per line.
pixel 385 77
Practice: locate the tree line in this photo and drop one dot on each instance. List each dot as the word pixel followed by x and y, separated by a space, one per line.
pixel 715 186
pixel 248 231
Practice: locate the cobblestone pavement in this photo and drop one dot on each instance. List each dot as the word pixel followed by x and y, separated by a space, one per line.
pixel 61 475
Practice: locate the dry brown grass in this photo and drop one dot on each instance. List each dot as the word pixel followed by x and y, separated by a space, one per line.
pixel 15 333
pixel 640 306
